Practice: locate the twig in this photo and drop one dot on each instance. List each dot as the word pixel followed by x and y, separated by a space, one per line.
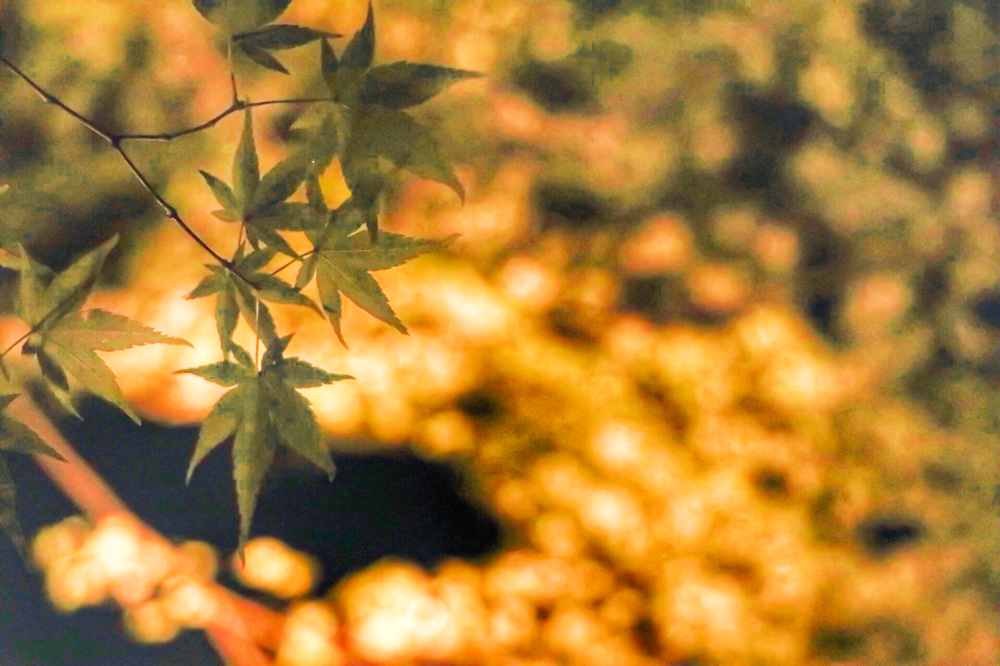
pixel 237 105
pixel 115 140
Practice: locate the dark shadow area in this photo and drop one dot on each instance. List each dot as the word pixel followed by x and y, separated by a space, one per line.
pixel 377 506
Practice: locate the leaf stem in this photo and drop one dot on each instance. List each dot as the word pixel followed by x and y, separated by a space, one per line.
pixel 232 71
pixel 303 256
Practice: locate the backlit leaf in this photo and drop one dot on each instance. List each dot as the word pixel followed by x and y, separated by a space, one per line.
pixel 283 36
pixel 220 423
pixel 31 288
pixel 253 451
pixel 212 284
pixel 289 216
pixel 328 66
pixel 329 295
pixel 274 289
pixel 255 313
pixel 70 287
pixel 300 374
pixel 240 16
pixel 357 58
pixel 18 438
pixel 363 290
pixel 223 193
pixel 246 168
pixel 263 410
pixel 224 373
pixel 106 331
pixel 272 239
pixel 361 49
pixel 262 58
pixel 306 271
pixel 227 313
pixel 296 424
pixel 91 371
pixel 396 137
pixel 280 182
pixel 255 261
pixel 404 84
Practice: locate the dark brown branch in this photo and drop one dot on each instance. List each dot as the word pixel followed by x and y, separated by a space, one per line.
pixel 115 140
pixel 52 99
pixel 238 105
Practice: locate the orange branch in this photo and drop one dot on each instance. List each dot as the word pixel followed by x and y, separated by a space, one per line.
pixel 240 625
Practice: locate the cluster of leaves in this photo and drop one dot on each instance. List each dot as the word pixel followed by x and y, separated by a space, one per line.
pixel 64 342
pixel 363 124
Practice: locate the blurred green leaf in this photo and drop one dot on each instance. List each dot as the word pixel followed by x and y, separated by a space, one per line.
pixel 282 36
pixel 246 168
pixel 240 16
pixel 404 84
pixel 262 58
pixel 357 58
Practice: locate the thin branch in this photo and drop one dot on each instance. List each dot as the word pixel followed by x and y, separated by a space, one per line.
pixel 52 99
pixel 238 105
pixel 115 141
pixel 169 210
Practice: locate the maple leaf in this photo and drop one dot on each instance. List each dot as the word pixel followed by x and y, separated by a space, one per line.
pixel 240 16
pixel 369 129
pixel 15 437
pixel 258 45
pixel 242 292
pixel 263 410
pixel 342 260
pixel 259 202
pixel 65 342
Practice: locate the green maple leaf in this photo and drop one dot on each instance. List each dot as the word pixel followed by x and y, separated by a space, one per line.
pixel 263 410
pixel 257 45
pixel 244 293
pixel 16 438
pixel 65 342
pixel 342 261
pixel 260 202
pixel 404 84
pixel 240 16
pixel 398 85
pixel 378 132
pixel 395 137
pixel 344 78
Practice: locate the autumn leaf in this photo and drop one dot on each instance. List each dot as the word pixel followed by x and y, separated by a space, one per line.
pixel 243 291
pixel 397 138
pixel 355 60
